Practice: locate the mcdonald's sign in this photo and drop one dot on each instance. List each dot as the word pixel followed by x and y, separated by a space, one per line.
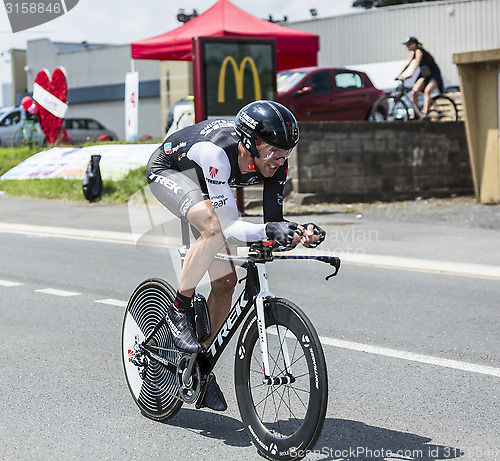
pixel 229 72
pixel 239 74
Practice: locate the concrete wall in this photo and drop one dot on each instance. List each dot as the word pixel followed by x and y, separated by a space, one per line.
pixel 347 161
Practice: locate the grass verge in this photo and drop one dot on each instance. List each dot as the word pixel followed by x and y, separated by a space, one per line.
pixel 64 189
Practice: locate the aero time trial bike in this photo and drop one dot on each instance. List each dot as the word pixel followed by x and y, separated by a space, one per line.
pixel 279 369
pixel 398 106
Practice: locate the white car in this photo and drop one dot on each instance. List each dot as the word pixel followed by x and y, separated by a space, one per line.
pixel 10 123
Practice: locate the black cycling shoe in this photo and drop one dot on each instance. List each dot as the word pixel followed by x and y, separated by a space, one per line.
pixel 181 326
pixel 213 397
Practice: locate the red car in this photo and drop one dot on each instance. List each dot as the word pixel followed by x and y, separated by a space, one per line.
pixel 327 93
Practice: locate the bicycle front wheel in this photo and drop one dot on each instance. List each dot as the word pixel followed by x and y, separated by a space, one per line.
pixel 442 109
pixel 152 384
pixel 389 109
pixel 283 419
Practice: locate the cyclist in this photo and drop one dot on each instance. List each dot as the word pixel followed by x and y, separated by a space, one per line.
pixel 429 77
pixel 191 174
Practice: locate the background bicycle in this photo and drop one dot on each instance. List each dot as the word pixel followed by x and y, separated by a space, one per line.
pixel 28 132
pixel 397 106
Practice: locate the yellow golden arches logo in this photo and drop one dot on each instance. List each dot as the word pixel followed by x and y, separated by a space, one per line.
pixel 239 74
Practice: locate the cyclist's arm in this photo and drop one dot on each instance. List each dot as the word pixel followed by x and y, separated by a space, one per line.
pixel 272 199
pixel 406 67
pixel 216 170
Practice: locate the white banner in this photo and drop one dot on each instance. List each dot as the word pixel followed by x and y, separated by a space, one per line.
pixel 132 106
pixel 71 163
pixel 48 101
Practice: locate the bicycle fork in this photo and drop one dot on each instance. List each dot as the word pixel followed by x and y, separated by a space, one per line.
pixel 263 294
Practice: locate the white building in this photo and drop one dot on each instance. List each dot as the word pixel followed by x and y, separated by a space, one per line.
pixel 375 36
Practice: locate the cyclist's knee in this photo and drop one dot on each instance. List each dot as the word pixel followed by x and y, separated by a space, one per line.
pixel 202 216
pixel 225 286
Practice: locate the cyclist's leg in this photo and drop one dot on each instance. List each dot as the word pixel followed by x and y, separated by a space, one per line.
pixel 223 281
pixel 183 197
pixel 201 254
pixel 417 88
pixel 430 87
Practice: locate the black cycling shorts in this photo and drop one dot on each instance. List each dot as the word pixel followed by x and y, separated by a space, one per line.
pixel 173 188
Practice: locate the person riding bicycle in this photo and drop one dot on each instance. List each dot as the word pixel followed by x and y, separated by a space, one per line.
pixel 429 77
pixel 191 174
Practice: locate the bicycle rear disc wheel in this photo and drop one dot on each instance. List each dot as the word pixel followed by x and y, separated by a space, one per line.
pixel 442 109
pixel 283 421
pixel 155 392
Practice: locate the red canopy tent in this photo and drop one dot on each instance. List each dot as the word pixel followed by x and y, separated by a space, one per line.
pixel 294 48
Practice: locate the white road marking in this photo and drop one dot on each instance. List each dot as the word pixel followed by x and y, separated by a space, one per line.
pixel 421 265
pixel 112 302
pixel 393 262
pixel 371 260
pixel 7 283
pixel 53 291
pixel 427 359
pixel 405 355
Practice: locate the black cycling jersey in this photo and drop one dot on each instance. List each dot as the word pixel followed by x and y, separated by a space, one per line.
pixel 207 156
pixel 428 68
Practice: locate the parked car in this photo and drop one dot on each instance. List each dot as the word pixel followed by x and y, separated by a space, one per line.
pixel 185 106
pixel 80 130
pixel 83 130
pixel 327 93
pixel 10 122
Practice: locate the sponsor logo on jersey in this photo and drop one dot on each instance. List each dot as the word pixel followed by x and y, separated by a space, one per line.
pixel 248 182
pixel 167 147
pixel 214 181
pixel 179 146
pixel 219 202
pixel 213 171
pixel 185 206
pixel 215 125
pixel 167 182
pixel 279 199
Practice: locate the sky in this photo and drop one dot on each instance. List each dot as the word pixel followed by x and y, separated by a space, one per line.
pixel 126 21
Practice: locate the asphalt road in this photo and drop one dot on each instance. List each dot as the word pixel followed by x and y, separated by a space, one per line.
pixel 412 355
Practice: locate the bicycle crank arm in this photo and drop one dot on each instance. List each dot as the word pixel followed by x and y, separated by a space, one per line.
pixel 170 366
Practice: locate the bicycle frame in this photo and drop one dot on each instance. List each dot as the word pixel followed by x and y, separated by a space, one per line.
pixel 402 93
pixel 256 293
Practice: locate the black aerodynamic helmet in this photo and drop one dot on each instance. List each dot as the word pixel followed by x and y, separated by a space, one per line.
pixel 269 121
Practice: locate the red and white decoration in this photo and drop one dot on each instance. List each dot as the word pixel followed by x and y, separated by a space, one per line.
pixel 51 96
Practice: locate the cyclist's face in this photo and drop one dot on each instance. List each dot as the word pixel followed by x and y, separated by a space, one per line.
pixel 270 158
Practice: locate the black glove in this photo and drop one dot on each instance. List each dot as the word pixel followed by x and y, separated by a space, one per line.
pixel 282 232
pixel 317 231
